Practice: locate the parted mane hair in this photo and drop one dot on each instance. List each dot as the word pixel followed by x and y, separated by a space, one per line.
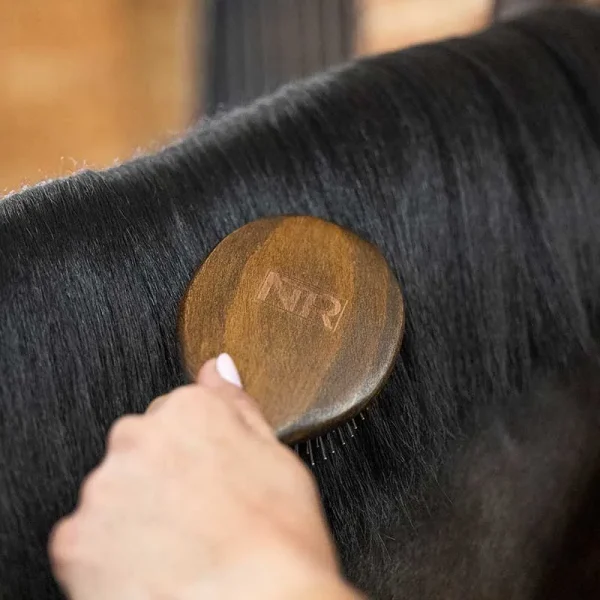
pixel 474 165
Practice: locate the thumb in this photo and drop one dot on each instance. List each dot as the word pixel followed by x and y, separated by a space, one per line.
pixel 221 374
pixel 218 372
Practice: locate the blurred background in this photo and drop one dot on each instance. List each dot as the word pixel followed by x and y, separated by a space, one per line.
pixel 92 82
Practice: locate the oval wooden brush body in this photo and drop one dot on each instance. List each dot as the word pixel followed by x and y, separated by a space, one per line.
pixel 310 312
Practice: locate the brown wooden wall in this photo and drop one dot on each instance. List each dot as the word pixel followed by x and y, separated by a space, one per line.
pixel 88 81
pixel 389 24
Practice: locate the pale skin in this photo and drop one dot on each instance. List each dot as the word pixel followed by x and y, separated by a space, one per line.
pixel 197 499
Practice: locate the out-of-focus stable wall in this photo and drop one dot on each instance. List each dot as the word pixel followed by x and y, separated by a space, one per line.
pixel 388 24
pixel 89 81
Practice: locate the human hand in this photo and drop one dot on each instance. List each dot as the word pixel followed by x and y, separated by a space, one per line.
pixel 197 499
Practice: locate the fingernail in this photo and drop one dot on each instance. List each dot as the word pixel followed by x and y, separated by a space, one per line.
pixel 227 370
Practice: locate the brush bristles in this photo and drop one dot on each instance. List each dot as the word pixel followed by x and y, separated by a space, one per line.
pixel 325 446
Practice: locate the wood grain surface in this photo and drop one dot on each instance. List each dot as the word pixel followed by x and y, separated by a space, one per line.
pixel 310 312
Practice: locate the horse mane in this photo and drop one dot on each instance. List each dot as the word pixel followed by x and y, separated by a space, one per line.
pixel 474 165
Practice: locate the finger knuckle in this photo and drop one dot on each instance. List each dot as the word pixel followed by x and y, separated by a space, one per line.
pixel 64 542
pixel 125 430
pixel 131 432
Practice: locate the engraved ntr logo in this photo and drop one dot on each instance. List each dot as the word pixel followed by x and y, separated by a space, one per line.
pixel 299 299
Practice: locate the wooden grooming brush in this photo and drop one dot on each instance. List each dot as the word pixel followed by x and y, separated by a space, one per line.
pixel 311 313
